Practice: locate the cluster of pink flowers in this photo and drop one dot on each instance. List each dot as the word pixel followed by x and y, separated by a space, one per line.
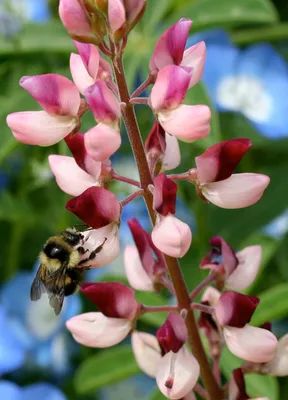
pixel 87 174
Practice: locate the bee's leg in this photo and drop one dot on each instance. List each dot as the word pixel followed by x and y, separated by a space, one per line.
pixel 93 253
pixel 81 250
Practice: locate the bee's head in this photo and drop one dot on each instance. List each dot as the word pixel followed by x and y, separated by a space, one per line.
pixel 72 236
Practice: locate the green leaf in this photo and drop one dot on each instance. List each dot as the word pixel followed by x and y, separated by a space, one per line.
pixel 256 385
pixel 104 368
pixel 228 13
pixel 273 304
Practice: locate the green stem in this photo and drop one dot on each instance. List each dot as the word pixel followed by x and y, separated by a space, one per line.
pixel 174 268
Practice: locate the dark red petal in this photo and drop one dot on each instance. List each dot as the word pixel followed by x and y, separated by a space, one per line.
pixel 75 142
pixel 218 162
pixel 155 141
pixel 237 390
pixel 172 334
pixel 114 299
pixel 235 309
pixel 151 258
pixel 229 259
pixel 267 326
pixel 164 198
pixel 97 207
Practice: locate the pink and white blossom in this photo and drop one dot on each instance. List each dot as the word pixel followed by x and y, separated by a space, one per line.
pixel 102 141
pixel 60 100
pixel 147 352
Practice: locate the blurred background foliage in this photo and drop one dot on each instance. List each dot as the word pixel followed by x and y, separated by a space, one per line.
pixel 246 85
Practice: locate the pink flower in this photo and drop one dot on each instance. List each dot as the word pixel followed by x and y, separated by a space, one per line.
pixel 187 123
pixel 249 261
pixel 147 352
pixel 103 103
pixel 278 366
pixel 97 207
pixel 74 18
pixel 93 329
pixel 117 19
pixel 70 177
pixel 88 66
pixel 60 100
pixel 216 182
pixel 170 48
pixel 144 265
pixel 134 11
pixel 172 236
pixel 250 343
pixel 237 270
pixel 102 141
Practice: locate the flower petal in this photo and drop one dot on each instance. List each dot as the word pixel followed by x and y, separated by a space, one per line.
pixel 251 343
pixel 187 123
pixel 170 88
pixel 219 161
pixel 116 18
pixel 164 196
pixel 97 207
pixel 114 299
pixel 172 155
pixel 177 373
pixel 56 94
pixel 111 248
pixel 194 57
pixel 238 191
pixel 172 334
pixel 147 352
pixel 278 366
pixel 74 18
pixel 172 236
pixel 171 44
pixel 102 141
pixel 79 73
pixel 211 295
pixel 137 276
pixel 39 127
pixel 95 330
pixel 249 263
pixel 90 57
pixel 235 309
pixel 69 176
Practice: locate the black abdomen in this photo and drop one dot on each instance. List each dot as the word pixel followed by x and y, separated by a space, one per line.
pixel 73 278
pixel 56 251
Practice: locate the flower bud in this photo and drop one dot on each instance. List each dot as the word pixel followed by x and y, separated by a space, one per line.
pixel 147 352
pixel 95 330
pixel 74 18
pixel 164 196
pixel 173 334
pixel 117 19
pixel 134 11
pixel 172 236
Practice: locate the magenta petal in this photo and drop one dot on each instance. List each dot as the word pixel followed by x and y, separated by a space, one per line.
pixel 90 57
pixel 74 18
pixel 194 57
pixel 116 15
pixel 218 162
pixel 172 334
pixel 229 258
pixel 164 196
pixel 155 143
pixel 170 88
pixel 102 141
pixel 104 105
pixel 56 94
pixel 171 44
pixel 113 299
pixel 235 309
pixel 97 207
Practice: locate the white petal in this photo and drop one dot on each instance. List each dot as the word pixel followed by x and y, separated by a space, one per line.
pixel 172 156
pixel 251 343
pixel 182 368
pixel 136 274
pixel 147 352
pixel 279 365
pixel 69 176
pixel 238 191
pixel 247 269
pixel 95 330
pixel 79 73
pixel 211 295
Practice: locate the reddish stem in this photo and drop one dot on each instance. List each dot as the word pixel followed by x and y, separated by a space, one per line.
pixel 131 197
pixel 143 86
pixel 202 285
pixel 179 177
pixel 148 309
pixel 121 178
pixel 168 284
pixel 139 100
pixel 202 307
pixel 216 369
pixel 174 268
pixel 201 391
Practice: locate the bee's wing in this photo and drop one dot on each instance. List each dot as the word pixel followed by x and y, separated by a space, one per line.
pixel 37 287
pixel 55 286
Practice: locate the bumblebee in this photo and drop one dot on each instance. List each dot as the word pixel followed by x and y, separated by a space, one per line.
pixel 62 267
